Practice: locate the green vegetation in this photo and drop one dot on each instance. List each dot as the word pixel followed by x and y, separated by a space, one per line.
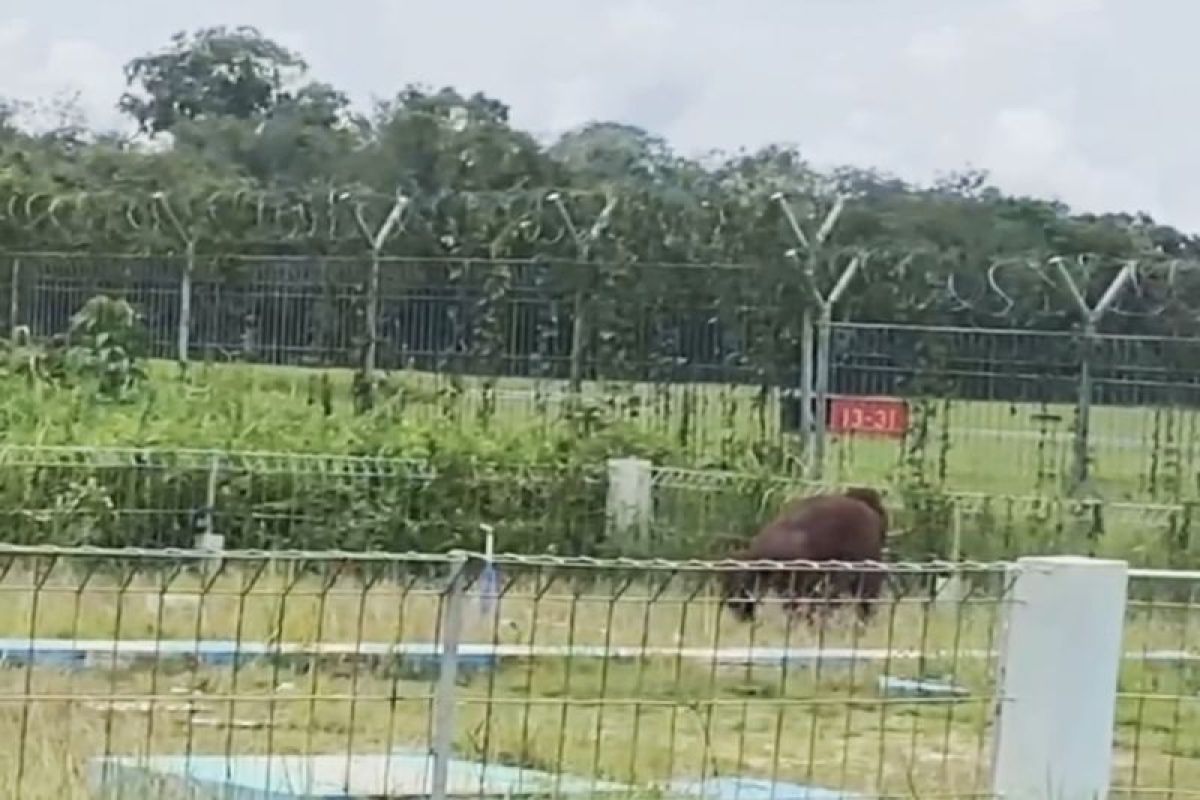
pixel 434 460
pixel 605 268
pixel 277 165
pixel 105 447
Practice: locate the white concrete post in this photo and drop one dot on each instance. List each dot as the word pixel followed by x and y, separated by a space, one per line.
pixel 630 503
pixel 207 538
pixel 1058 679
pixel 444 698
pixel 950 590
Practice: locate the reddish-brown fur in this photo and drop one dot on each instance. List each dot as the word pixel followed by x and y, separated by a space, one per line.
pixel 851 526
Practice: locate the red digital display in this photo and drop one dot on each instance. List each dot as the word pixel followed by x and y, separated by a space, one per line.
pixel 872 416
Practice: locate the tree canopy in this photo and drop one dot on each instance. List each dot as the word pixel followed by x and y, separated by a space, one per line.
pixel 243 151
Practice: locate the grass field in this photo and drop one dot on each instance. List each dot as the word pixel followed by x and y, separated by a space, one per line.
pixel 997 448
pixel 633 720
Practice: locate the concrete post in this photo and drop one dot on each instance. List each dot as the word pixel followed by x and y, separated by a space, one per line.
pixel 1058 679
pixel 630 504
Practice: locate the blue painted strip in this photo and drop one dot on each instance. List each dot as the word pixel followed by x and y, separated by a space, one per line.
pixel 743 788
pixel 399 774
pixel 82 652
pixel 907 687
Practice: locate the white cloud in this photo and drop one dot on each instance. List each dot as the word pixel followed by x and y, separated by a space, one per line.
pixel 77 65
pixel 1030 151
pixel 33 68
pixel 635 20
pixel 572 101
pixel 1073 97
pixel 1055 12
pixel 1031 137
pixel 13 33
pixel 937 47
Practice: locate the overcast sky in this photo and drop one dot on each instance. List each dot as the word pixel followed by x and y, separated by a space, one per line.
pixel 1090 101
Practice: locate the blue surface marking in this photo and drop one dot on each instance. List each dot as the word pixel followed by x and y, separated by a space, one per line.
pixel 909 687
pixel 396 775
pixel 742 788
pixel 400 774
pixel 90 652
pixel 215 652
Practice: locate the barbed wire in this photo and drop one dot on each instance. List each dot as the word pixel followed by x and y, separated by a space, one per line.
pixel 338 214
pixel 588 225
pixel 1041 289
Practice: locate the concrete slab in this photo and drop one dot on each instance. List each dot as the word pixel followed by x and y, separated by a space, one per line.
pixel 743 788
pixel 402 774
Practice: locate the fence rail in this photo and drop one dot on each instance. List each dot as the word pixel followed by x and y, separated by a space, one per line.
pixel 169 498
pixel 164 497
pixel 146 671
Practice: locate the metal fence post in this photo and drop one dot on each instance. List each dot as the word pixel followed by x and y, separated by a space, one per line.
pixel 376 238
pixel 184 333
pixel 815 380
pixel 583 248
pixel 207 538
pixel 951 591
pixel 444 698
pixel 808 353
pixel 825 364
pixel 188 238
pixel 14 299
pixel 1080 462
pixel 1058 679
pixel 1091 326
pixel 371 318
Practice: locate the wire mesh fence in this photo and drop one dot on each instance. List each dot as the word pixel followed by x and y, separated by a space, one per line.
pixel 511 318
pixel 150 654
pixel 147 497
pixel 138 672
pixel 1158 711
pixel 696 507
pixel 173 673
pixel 167 498
pixel 694 352
pixel 983 398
